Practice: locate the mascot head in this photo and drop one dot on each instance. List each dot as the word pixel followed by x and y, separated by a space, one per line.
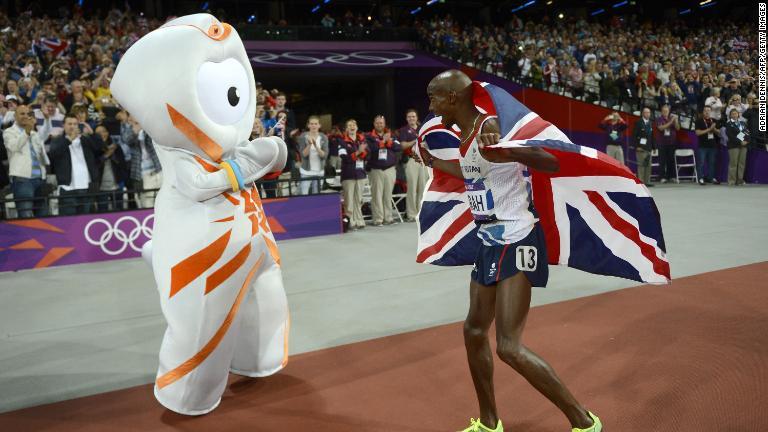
pixel 190 85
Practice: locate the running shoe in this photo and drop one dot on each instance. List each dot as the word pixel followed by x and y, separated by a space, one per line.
pixel 597 426
pixel 475 425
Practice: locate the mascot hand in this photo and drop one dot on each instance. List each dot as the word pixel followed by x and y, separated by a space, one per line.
pixel 260 157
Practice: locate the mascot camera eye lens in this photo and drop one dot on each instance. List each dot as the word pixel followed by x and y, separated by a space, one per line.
pixel 233 96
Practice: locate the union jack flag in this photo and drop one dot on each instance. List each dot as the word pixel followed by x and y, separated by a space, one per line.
pixel 596 215
pixel 55 45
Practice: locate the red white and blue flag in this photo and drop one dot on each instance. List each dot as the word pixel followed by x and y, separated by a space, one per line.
pixel 55 45
pixel 596 215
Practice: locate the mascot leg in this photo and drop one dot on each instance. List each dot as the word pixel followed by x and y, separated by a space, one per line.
pixel 146 252
pixel 262 341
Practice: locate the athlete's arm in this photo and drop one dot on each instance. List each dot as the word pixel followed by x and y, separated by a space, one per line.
pixel 451 167
pixel 533 157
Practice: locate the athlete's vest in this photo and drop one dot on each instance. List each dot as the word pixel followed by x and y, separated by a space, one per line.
pixel 499 194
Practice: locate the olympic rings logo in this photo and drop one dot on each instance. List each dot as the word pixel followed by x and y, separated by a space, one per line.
pixel 314 58
pixel 116 232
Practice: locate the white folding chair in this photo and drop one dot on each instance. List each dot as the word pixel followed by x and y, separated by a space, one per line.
pixel 396 199
pixel 655 164
pixel 688 162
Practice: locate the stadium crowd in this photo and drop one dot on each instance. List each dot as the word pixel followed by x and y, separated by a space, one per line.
pixel 55 76
pixel 672 74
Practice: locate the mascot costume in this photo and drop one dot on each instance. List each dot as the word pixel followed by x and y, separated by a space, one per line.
pixel 190 86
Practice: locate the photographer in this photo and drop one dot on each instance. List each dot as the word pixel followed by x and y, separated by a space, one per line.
pixel 614 126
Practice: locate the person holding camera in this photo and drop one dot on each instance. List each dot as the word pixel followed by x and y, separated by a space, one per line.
pixel 614 127
pixel 75 162
pixel 27 163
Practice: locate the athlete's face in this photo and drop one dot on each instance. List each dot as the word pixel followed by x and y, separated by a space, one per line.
pixel 441 103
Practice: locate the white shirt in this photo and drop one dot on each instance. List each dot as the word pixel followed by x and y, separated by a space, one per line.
pixel 81 178
pixel 314 159
pixel 499 196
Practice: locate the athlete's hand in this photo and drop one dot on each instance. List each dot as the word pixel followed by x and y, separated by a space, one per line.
pixel 487 139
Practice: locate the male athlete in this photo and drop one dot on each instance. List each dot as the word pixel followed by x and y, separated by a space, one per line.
pixel 512 257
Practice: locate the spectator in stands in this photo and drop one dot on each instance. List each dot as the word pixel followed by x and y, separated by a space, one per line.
pixel 667 126
pixel 614 127
pixel 706 131
pixel 313 147
pixel 74 158
pixel 643 142
pixel 290 122
pixel 552 75
pixel 715 105
pixel 49 119
pixel 383 149
pixel 416 173
pixel 11 103
pixel 113 172
pixel 257 130
pixel 575 79
pixel 738 139
pixel 76 96
pixel 27 162
pixel 353 152
pixel 145 172
pixel 81 114
pixel 592 82
pixel 735 103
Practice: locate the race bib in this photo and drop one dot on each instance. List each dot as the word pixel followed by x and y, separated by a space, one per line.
pixel 643 141
pixel 526 258
pixel 359 165
pixel 710 136
pixel 667 132
pixel 342 151
pixel 740 136
pixel 480 200
pixel 382 154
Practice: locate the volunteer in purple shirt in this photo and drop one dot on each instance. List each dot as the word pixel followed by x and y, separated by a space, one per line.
pixel 667 126
pixel 383 148
pixel 416 174
pixel 353 153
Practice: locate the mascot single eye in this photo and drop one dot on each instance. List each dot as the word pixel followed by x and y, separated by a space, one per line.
pixel 223 91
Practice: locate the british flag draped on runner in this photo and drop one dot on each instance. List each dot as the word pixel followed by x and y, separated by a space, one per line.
pixel 596 215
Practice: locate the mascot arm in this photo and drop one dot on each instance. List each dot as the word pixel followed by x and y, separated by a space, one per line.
pixel 260 157
pixel 198 184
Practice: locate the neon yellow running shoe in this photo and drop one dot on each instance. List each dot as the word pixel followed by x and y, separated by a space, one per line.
pixel 478 426
pixel 597 426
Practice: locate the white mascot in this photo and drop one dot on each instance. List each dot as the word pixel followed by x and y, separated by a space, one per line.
pixel 190 86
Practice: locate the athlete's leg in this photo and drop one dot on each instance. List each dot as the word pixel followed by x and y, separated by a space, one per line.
pixel 513 299
pixel 481 312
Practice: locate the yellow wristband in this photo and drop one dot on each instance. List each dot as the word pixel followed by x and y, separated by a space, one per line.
pixel 231 176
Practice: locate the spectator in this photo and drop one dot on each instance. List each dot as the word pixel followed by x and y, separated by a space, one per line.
pixel 280 105
pixel 11 103
pixel 736 131
pixel 735 104
pixel 146 172
pixel 328 21
pixel 667 126
pixel 49 119
pixel 757 137
pixel 614 127
pixel 113 172
pixel 74 160
pixel 706 130
pixel 643 141
pixel 353 151
pixel 416 174
pixel 381 164
pixel 715 105
pixel 27 162
pixel 77 96
pixel 313 147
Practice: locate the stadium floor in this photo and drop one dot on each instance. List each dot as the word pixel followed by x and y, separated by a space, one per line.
pixel 81 330
pixel 641 358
